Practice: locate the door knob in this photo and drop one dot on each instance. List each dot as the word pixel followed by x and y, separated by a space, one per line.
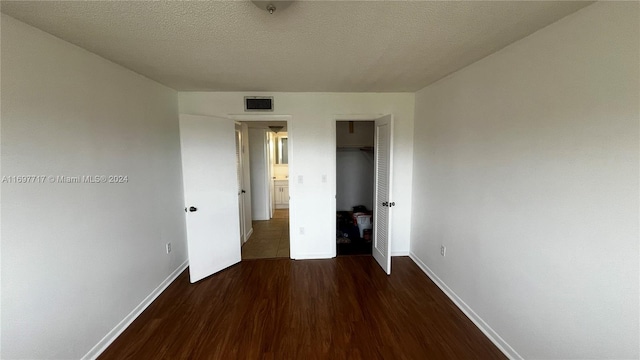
pixel 193 208
pixel 243 191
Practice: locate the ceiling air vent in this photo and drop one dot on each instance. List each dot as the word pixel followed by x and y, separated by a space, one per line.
pixel 258 103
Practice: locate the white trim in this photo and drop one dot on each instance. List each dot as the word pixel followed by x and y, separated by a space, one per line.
pixel 268 179
pixel 400 253
pixel 334 180
pixel 312 256
pixel 260 117
pixel 248 234
pixel 293 238
pixel 357 117
pixel 124 324
pixel 498 341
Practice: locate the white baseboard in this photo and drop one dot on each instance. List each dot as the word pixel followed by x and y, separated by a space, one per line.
pixel 329 256
pixel 116 331
pixel 477 320
pixel 399 253
pixel 246 238
pixel 313 256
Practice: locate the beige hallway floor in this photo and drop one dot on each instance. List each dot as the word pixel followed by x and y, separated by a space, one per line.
pixel 270 239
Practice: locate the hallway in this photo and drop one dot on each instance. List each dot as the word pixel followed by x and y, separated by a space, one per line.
pixel 270 239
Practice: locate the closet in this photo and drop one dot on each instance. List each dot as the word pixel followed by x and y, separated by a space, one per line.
pixel 354 186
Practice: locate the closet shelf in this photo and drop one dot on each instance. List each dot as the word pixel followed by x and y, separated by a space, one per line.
pixel 355 148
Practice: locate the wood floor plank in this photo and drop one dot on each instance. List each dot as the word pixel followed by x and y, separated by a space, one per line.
pixel 341 308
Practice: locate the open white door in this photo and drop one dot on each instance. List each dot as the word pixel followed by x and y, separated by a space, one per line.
pixel 210 194
pixel 383 171
pixel 240 173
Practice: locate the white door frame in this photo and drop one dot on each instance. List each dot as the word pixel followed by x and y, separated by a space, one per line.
pixel 290 145
pixel 336 118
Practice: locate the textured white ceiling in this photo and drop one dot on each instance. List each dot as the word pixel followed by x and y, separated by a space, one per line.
pixel 359 46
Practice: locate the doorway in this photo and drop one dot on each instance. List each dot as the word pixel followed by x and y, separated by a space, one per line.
pixel 268 158
pixel 212 192
pixel 379 223
pixel 355 177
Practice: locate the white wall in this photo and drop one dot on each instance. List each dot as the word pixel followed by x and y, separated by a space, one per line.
pixel 354 167
pixel 78 258
pixel 355 173
pixel 312 139
pixel 281 171
pixel 260 199
pixel 363 133
pixel 526 167
pixel 271 156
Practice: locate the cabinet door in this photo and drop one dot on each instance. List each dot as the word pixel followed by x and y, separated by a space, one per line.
pixel 278 197
pixel 285 195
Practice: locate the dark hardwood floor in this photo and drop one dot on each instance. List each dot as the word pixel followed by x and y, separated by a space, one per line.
pixel 342 308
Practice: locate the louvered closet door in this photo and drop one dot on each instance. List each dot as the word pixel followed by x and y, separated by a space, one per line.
pixel 381 212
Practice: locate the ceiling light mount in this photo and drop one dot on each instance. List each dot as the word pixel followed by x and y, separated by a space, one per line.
pixel 271 6
pixel 275 129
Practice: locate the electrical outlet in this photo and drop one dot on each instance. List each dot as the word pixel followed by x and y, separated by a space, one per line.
pixel 301 231
pixel 443 250
pixel 168 247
